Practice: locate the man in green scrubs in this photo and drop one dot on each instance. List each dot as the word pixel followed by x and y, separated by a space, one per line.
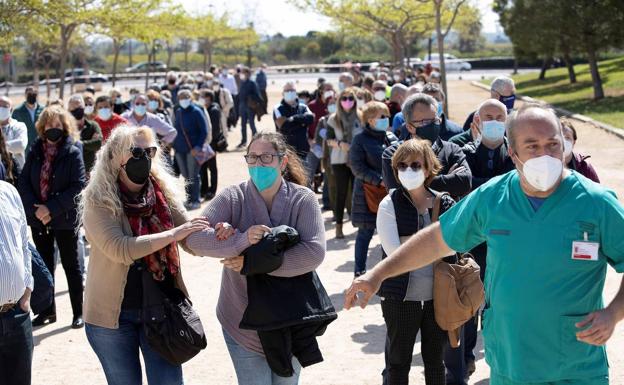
pixel 550 234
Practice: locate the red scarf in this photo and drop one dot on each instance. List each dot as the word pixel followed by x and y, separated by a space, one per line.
pixel 149 213
pixel 49 152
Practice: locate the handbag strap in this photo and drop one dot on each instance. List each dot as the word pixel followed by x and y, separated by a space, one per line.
pixel 188 142
pixel 435 212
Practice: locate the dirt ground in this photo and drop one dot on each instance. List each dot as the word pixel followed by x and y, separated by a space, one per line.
pixel 353 345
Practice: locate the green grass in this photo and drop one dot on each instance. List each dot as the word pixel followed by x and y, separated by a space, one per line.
pixel 557 90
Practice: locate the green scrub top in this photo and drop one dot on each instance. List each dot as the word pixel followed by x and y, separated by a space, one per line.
pixel 534 291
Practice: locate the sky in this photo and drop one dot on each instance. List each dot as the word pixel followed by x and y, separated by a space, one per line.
pixel 273 16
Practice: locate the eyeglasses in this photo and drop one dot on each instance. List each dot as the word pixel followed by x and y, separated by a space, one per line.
pixel 345 98
pixel 139 152
pixel 424 122
pixel 402 166
pixel 264 158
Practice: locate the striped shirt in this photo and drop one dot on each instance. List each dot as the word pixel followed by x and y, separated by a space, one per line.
pixel 15 263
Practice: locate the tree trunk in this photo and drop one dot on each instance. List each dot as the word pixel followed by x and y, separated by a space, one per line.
pixel 186 49
pixel 545 65
pixel 515 66
pixel 65 35
pixel 210 55
pixel 35 59
pixel 129 52
pixel 47 75
pixel 568 62
pixel 72 82
pixel 205 52
pixel 116 49
pixel 147 71
pixel 169 54
pixel 85 65
pixel 595 73
pixel 440 38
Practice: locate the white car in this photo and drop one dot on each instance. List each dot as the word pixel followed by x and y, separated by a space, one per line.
pixel 451 62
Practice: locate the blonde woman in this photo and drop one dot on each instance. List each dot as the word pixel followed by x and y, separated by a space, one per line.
pixel 52 177
pixel 133 217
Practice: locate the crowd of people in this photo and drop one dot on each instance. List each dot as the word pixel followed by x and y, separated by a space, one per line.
pixel 507 187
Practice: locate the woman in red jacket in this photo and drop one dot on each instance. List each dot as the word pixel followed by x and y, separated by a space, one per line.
pixel 574 160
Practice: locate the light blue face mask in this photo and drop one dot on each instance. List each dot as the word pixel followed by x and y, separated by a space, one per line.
pixel 493 130
pixel 152 105
pixel 331 108
pixel 440 109
pixel 382 124
pixel 184 103
pixel 140 110
pixel 104 113
pixel 263 176
pixel 290 96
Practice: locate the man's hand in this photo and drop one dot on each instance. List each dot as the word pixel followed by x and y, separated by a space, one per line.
pixel 42 212
pixel 367 284
pixel 344 146
pixel 601 329
pixel 24 302
pixel 456 168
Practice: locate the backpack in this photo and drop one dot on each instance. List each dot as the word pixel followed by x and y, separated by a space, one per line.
pixel 457 289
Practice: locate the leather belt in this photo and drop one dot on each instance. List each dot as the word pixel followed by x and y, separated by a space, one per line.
pixel 7 307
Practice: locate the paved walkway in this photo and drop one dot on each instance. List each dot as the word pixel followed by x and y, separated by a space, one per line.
pixel 353 345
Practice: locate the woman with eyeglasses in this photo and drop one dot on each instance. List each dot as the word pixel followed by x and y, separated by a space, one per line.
pixel 53 175
pixel 133 215
pixel 365 158
pixel 275 195
pixel 342 127
pixel 407 300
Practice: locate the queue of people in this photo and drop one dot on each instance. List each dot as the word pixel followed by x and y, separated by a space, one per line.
pixel 113 167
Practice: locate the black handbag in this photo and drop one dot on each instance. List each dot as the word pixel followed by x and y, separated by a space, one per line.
pixel 222 144
pixel 171 325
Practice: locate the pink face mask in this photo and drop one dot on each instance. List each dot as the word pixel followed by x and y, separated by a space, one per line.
pixel 347 105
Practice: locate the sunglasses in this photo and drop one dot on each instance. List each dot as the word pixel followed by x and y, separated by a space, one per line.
pixel 139 152
pixel 424 122
pixel 264 158
pixel 402 166
pixel 345 98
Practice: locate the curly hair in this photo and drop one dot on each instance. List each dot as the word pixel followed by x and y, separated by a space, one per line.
pixel 103 187
pixel 57 111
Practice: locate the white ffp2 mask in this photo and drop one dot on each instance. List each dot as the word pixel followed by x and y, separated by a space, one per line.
pixel 411 179
pixel 543 172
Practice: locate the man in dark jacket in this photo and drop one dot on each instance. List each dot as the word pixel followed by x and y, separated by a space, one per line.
pixel 422 122
pixel 192 132
pixel 208 190
pixel 261 81
pixel 90 132
pixel 292 119
pixel 248 93
pixel 28 113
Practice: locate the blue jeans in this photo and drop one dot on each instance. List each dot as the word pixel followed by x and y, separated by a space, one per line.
pixel 312 163
pixel 16 347
pixel 118 352
pixel 362 241
pixel 326 201
pixel 247 116
pixel 253 369
pixel 190 171
pixel 455 361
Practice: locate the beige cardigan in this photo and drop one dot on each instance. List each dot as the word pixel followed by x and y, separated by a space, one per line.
pixel 113 250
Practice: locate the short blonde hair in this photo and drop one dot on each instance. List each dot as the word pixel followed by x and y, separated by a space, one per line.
pixel 57 111
pixel 413 148
pixel 371 109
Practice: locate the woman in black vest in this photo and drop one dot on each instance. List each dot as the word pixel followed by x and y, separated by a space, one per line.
pixel 407 300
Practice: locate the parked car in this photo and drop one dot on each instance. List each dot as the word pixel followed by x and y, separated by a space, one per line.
pixel 154 66
pixel 451 62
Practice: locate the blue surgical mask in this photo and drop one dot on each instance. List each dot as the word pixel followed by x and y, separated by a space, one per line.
pixel 382 124
pixel 140 110
pixel 5 113
pixel 290 96
pixel 263 177
pixel 104 113
pixel 152 105
pixel 440 109
pixel 331 108
pixel 493 130
pixel 341 86
pixel 184 103
pixel 118 100
pixel 508 101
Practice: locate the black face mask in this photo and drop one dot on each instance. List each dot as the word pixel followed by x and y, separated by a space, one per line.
pixel 78 113
pixel 138 170
pixel 31 98
pixel 430 132
pixel 53 134
pixel 172 81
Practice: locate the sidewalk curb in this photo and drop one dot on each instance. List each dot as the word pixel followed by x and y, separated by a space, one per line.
pixel 585 119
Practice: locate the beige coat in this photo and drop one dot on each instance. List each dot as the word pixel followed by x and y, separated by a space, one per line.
pixel 113 250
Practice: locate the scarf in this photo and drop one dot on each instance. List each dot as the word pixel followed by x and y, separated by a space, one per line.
pixel 149 213
pixel 348 122
pixel 49 154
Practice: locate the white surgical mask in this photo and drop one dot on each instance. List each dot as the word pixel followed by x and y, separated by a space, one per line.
pixel 243 77
pixel 360 103
pixel 184 103
pixel 88 110
pixel 543 172
pixel 5 113
pixel 380 95
pixel 202 101
pixel 341 86
pixel 493 130
pixel 411 179
pixel 328 94
pixel 567 147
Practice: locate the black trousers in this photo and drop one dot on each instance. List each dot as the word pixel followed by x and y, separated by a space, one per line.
pixel 403 320
pixel 16 347
pixel 344 184
pixel 265 98
pixel 67 242
pixel 209 165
